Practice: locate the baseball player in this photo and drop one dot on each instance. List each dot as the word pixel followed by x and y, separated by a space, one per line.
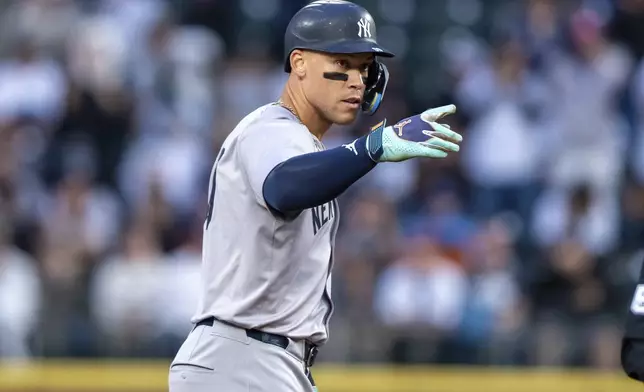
pixel 268 242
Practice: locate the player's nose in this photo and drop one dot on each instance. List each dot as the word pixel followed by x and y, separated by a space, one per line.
pixel 356 79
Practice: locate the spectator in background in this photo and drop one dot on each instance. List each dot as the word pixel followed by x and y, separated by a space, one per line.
pixel 420 298
pixel 365 243
pixel 175 164
pixel 126 295
pixel 580 213
pixel 503 150
pixel 153 76
pixel 572 290
pixel 20 297
pixel 370 230
pixel 99 109
pixel 586 138
pixel 572 327
pixel 167 222
pixel 443 217
pixel 79 224
pixel 496 312
pixel 577 217
pixel 173 144
pixel 81 210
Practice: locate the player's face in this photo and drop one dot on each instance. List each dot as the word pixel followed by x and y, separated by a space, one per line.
pixel 338 101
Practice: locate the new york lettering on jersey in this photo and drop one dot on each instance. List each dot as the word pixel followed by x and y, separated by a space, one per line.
pixel 322 214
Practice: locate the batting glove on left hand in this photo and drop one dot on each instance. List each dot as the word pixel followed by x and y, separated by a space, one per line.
pixel 416 136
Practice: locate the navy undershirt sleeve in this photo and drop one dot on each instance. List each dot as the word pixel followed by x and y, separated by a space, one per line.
pixel 309 180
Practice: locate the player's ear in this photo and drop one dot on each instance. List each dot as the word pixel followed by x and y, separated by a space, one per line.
pixel 298 62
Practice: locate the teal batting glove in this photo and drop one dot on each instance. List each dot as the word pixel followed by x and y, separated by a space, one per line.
pixel 413 137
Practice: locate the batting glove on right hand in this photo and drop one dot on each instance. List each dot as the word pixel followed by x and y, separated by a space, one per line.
pixel 415 136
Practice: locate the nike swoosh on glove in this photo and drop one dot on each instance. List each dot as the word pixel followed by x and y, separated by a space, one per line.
pixel 415 136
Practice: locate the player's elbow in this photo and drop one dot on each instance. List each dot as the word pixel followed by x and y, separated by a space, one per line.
pixel 632 358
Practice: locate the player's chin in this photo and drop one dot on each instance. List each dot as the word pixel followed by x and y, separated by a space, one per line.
pixel 345 116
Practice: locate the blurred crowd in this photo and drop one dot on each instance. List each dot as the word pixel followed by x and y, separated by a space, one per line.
pixel 523 249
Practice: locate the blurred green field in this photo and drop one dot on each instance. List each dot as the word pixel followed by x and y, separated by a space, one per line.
pixel 137 376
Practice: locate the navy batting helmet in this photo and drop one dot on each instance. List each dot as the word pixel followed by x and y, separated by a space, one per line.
pixel 338 26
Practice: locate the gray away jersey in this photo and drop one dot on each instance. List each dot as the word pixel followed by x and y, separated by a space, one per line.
pixel 259 271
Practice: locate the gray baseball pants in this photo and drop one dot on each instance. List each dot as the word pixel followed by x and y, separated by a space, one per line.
pixel 222 358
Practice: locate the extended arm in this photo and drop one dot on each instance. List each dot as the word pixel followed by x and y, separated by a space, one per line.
pixel 308 180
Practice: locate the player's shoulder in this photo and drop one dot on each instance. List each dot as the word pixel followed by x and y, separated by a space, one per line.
pixel 273 119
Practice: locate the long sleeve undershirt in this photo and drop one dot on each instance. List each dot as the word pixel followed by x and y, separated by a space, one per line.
pixel 312 179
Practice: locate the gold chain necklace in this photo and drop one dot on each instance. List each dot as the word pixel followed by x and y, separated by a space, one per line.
pixel 290 109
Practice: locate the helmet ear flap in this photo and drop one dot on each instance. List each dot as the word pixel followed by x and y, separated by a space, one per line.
pixel 376 84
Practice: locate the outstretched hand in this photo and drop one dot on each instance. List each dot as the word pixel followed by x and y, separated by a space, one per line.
pixel 416 136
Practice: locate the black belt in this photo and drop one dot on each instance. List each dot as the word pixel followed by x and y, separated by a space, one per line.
pixel 310 350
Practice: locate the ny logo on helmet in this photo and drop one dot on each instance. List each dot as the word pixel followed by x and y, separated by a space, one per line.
pixel 364 28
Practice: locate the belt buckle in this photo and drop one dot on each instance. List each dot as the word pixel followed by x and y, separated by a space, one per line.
pixel 311 353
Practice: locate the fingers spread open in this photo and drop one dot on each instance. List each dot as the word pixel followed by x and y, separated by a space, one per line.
pixel 440 130
pixel 434 114
pixel 441 144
